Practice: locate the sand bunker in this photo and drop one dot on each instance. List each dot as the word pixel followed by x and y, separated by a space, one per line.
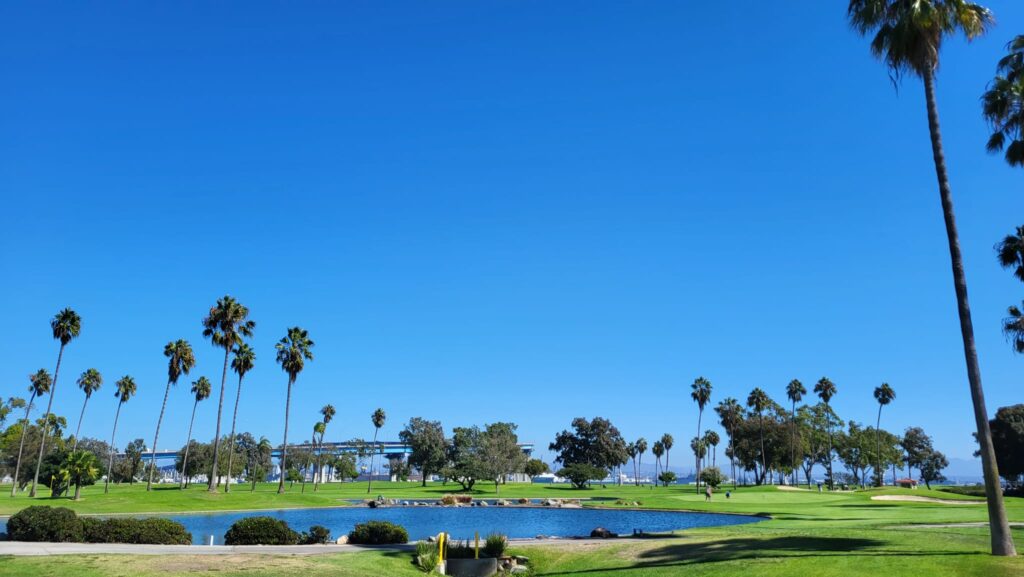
pixel 916 499
pixel 790 488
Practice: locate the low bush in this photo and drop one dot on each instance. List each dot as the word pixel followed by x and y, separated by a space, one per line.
pixel 426 557
pixel 456 499
pixel 495 546
pixel 152 531
pixel 378 533
pixel 260 531
pixel 454 549
pixel 971 490
pixel 317 535
pixel 42 523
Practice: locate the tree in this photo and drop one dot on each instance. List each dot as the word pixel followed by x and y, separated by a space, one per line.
pixel 758 400
pixel 826 389
pixel 126 389
pixel 657 450
pixel 133 457
pixel 427 446
pixel 884 395
pixel 1008 440
pixel 711 439
pixel 465 460
pixel 908 37
pixel 39 385
pixel 667 478
pixel 701 394
pixel 596 442
pixel 795 392
pixel 579 474
pixel 666 443
pixel 1013 328
pixel 641 448
pixel 815 421
pixel 700 450
pixel 931 468
pixel 535 467
pixel 1003 105
pixel 377 418
pixel 80 468
pixel 225 325
pixel 201 389
pixel 180 361
pixel 327 412
pixel 66 326
pixel 730 413
pixel 712 476
pixel 916 445
pixel 319 428
pixel 90 382
pixel 500 452
pixel 1010 253
pixel 242 363
pixel 292 353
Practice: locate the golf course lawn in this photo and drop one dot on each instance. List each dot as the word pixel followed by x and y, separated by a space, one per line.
pixel 810 533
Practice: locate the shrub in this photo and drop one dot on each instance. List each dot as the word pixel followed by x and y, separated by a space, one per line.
pixel 426 556
pixel 712 476
pixel 260 531
pixel 318 535
pixel 455 549
pixel 495 545
pixel 971 490
pixel 151 531
pixel 378 533
pixel 453 499
pixel 41 523
pixel 579 474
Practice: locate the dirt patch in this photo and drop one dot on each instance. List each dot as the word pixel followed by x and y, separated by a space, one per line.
pixel 916 499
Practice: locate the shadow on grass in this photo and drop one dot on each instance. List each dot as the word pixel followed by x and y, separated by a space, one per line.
pixel 683 554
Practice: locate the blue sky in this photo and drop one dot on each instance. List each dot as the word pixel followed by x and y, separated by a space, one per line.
pixel 524 211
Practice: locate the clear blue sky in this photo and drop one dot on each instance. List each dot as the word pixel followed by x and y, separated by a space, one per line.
pixel 524 211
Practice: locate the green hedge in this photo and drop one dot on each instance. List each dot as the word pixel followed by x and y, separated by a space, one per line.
pixel 41 523
pixel 61 525
pixel 378 533
pixel 260 531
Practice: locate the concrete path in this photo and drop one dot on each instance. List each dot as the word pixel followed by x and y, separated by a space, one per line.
pixel 26 548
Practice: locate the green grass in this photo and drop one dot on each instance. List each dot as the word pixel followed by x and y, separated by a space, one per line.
pixel 843 533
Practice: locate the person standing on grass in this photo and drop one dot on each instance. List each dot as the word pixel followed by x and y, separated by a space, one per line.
pixel 707 493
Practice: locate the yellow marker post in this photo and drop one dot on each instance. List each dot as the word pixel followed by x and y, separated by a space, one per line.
pixel 477 554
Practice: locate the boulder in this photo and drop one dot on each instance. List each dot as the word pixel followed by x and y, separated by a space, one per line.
pixel 343 540
pixel 602 533
pixel 482 503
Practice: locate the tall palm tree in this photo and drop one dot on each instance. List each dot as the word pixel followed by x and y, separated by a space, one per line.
pixel 795 391
pixel 292 353
pixel 699 449
pixel 180 361
pixel 201 389
pixel 700 392
pixel 378 417
pixel 631 452
pixel 884 395
pixel 90 381
pixel 758 400
pixel 244 361
pixel 226 324
pixel 327 412
pixel 317 440
pixel 711 439
pixel 658 450
pixel 641 448
pixel 263 451
pixel 1003 104
pixel 729 415
pixel 666 442
pixel 907 36
pixel 125 390
pixel 39 385
pixel 66 326
pixel 826 389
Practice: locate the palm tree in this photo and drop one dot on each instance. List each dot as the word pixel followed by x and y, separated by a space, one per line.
pixel 39 385
pixel 125 390
pixel 712 439
pixel 795 391
pixel 701 394
pixel 666 442
pixel 884 395
pixel 1010 252
pixel 328 412
pixel 631 452
pixel 66 326
pixel 225 326
pixel 1003 104
pixel 263 449
pixel 729 415
pixel 758 400
pixel 80 468
pixel 641 448
pixel 201 389
pixel 292 353
pixel 90 381
pixel 377 418
pixel 1013 328
pixel 700 449
pixel 908 36
pixel 826 389
pixel 658 450
pixel 180 361
pixel 244 361
pixel 318 433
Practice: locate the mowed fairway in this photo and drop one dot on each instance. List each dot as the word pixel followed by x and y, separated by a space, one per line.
pixel 811 533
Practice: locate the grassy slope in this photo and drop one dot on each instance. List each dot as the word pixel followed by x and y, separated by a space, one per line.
pixel 811 533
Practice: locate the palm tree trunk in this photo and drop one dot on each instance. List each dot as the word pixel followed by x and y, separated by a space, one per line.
pixel 21 446
pixel 188 443
pixel 284 446
pixel 639 465
pixel 828 425
pixel 373 454
pixel 878 447
pixel 231 438
pixel 764 462
pixel 732 457
pixel 81 417
pixel 110 461
pixel 700 415
pixel 46 417
pixel 212 484
pixel 152 455
pixel 1002 541
pixel 792 443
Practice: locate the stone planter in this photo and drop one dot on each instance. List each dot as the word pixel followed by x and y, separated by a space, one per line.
pixel 471 567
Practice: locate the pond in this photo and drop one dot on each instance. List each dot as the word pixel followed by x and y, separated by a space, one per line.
pixel 462 522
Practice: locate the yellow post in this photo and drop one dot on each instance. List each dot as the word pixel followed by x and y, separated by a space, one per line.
pixel 477 554
pixel 440 546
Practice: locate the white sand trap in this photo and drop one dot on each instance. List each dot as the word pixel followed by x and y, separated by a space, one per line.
pixel 790 488
pixel 916 499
